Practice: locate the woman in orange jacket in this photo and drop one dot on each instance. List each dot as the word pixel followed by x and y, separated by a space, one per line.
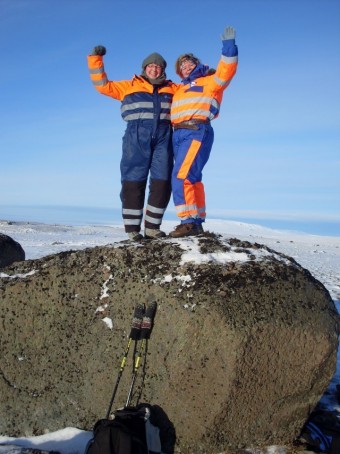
pixel 195 104
pixel 147 142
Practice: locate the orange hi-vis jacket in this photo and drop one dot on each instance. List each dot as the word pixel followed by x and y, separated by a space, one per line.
pixel 201 98
pixel 137 95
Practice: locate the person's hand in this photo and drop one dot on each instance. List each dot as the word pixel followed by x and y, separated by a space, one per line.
pixel 99 50
pixel 229 48
pixel 229 33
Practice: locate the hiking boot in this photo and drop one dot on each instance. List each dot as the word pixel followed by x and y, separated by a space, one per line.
pixel 152 234
pixel 135 236
pixel 199 229
pixel 190 229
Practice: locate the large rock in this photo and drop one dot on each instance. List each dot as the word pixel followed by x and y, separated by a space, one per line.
pixel 10 251
pixel 243 347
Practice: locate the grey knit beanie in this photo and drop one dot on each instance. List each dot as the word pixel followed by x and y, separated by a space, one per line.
pixel 154 58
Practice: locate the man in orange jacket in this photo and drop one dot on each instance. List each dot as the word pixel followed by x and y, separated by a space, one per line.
pixel 195 104
pixel 147 142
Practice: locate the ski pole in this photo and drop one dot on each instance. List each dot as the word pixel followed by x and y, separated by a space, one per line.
pixel 134 336
pixel 145 333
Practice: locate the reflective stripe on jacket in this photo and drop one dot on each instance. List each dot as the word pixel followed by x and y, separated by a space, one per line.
pixel 140 99
pixel 201 98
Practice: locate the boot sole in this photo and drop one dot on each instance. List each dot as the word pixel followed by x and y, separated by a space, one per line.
pixel 185 235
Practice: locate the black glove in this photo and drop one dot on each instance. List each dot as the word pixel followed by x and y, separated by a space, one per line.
pixel 99 50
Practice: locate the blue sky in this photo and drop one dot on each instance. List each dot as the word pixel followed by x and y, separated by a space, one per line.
pixel 277 139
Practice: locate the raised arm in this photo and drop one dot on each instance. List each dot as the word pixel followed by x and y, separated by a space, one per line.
pixel 227 66
pixel 99 78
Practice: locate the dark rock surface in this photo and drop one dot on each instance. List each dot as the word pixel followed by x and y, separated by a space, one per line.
pixel 243 347
pixel 10 251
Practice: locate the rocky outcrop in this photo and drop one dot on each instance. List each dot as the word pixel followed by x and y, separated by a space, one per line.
pixel 244 342
pixel 10 251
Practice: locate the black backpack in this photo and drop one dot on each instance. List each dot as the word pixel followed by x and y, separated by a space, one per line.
pixel 133 430
pixel 143 429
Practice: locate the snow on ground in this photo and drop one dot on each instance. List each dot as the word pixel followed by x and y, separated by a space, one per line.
pixel 319 254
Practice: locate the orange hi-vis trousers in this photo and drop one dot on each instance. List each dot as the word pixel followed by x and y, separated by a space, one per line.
pixel 191 152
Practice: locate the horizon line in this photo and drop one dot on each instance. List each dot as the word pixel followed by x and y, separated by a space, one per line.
pixel 245 214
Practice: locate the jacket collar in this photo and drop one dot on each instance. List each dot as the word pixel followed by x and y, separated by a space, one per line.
pixel 199 71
